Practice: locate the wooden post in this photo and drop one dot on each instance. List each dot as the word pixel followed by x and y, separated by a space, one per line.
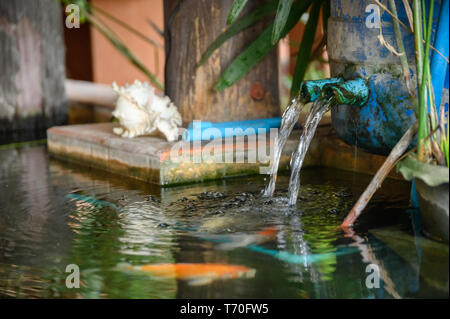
pixel 32 68
pixel 190 27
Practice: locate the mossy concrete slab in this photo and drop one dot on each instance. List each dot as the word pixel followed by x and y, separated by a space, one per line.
pixel 151 159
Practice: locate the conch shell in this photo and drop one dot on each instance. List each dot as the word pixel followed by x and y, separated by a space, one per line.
pixel 141 111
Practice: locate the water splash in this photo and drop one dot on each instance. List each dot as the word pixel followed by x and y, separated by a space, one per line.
pixel 324 94
pixel 318 109
pixel 290 117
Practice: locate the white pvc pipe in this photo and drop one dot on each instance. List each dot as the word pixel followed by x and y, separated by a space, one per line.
pixel 89 92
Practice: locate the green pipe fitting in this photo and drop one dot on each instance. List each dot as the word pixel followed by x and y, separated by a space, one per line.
pixel 310 90
pixel 353 92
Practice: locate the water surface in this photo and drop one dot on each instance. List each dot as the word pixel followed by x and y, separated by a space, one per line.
pixel 53 214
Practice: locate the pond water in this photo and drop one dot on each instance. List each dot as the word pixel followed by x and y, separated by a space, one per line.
pixel 53 214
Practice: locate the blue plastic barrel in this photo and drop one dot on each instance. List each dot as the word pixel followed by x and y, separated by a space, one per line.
pixel 355 51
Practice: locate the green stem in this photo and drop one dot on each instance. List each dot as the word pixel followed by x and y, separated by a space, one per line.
pixel 423 109
pixel 424 19
pixel 429 84
pixel 417 15
pixel 401 47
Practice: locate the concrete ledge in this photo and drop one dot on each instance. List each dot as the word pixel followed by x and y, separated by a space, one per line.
pixel 149 158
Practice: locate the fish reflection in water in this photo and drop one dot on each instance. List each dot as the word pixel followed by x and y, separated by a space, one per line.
pixel 234 241
pixel 292 246
pixel 53 214
pixel 195 274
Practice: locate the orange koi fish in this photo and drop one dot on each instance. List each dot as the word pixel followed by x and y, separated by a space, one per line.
pixel 196 274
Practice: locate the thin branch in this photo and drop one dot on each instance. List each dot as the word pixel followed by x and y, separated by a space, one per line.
pixel 155 27
pixel 387 45
pixel 409 13
pixel 408 29
pixel 379 177
pixel 401 49
pixel 414 148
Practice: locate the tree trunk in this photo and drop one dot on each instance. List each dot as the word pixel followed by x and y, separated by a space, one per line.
pixel 32 72
pixel 191 26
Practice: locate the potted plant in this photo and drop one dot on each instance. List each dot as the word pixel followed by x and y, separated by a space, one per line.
pixel 427 165
pixel 431 182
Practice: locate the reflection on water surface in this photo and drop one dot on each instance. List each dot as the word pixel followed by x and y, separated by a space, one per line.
pixel 53 214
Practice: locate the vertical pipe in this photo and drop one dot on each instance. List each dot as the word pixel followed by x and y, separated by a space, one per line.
pixel 438 63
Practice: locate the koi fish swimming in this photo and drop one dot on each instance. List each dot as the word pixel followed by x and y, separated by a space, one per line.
pixel 196 274
pixel 233 241
pixel 230 242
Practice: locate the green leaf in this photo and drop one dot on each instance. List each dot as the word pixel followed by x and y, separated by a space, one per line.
pixel 86 13
pixel 432 175
pixel 235 10
pixel 237 27
pixel 284 7
pixel 305 48
pixel 122 48
pixel 258 48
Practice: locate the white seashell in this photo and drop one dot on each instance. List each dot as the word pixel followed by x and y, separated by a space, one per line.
pixel 141 111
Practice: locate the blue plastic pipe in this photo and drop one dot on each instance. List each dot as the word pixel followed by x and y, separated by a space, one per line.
pixel 445 92
pixel 206 131
pixel 438 64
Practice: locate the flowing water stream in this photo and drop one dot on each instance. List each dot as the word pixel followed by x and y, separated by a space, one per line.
pixel 290 117
pixel 318 109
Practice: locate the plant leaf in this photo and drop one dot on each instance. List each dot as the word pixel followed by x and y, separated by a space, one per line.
pixel 432 175
pixel 235 10
pixel 284 7
pixel 258 48
pixel 305 48
pixel 126 26
pixel 237 27
pixel 119 45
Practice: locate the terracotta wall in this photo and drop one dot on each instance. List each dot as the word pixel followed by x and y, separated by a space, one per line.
pixel 108 63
